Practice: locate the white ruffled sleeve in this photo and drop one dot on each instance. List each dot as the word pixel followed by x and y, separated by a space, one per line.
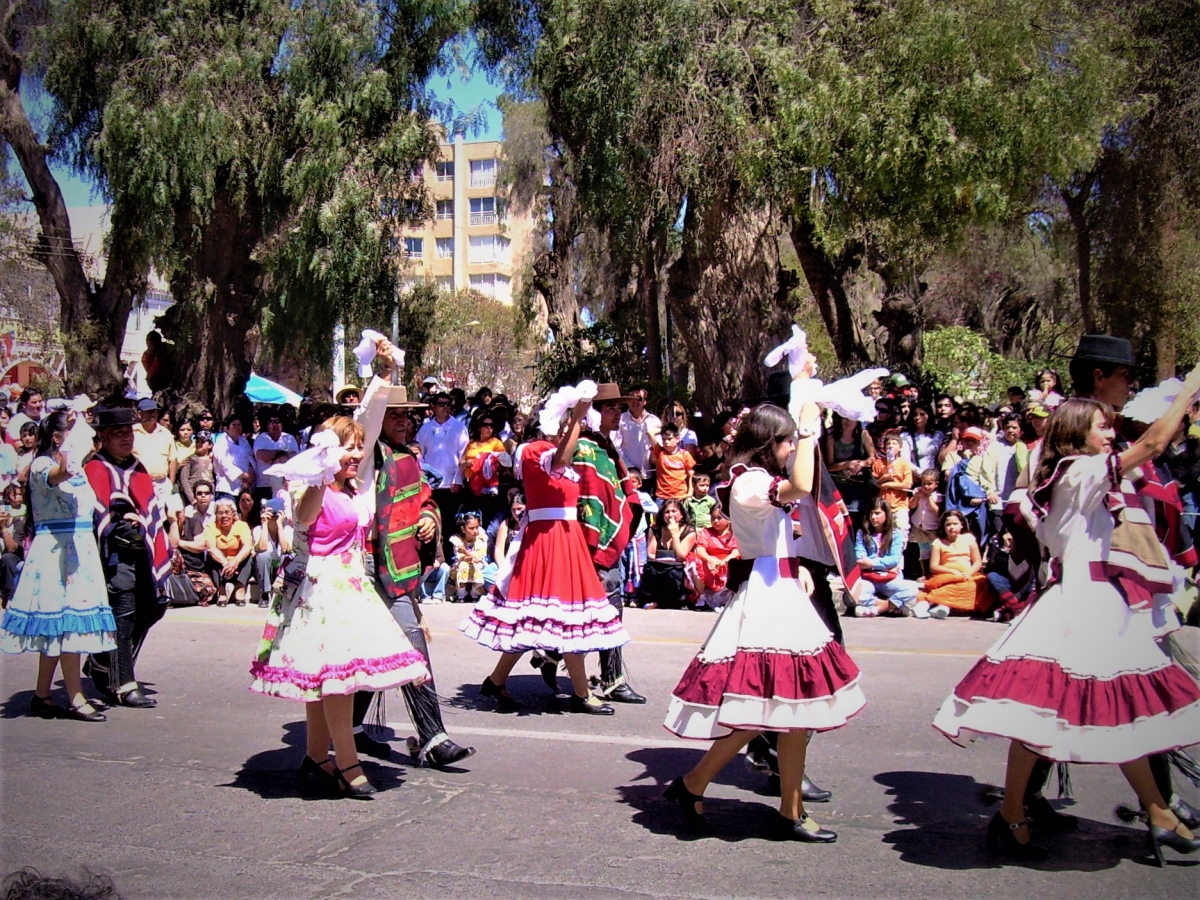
pixel 546 462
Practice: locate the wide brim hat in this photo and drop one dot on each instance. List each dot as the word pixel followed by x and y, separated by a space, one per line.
pixel 397 398
pixel 345 389
pixel 1104 348
pixel 114 417
pixel 608 392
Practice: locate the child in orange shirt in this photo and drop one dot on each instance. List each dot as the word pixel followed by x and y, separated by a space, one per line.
pixel 674 466
pixel 894 476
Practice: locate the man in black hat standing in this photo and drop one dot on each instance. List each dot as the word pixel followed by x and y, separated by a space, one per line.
pixel 402 543
pixel 131 531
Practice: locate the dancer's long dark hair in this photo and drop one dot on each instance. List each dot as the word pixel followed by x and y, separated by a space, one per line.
pixel 50 426
pixel 1066 434
pixel 758 433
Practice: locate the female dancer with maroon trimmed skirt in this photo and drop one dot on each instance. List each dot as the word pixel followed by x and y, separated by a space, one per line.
pixel 769 664
pixel 1081 676
pixel 554 599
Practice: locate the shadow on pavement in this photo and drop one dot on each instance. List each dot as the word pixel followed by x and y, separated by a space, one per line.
pixel 946 825
pixel 17 706
pixel 272 774
pixel 528 690
pixel 732 820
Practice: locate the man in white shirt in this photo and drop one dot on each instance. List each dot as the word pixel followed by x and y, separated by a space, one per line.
pixel 443 440
pixel 636 435
pixel 233 460
pixel 273 445
pixel 154 447
pixel 29 409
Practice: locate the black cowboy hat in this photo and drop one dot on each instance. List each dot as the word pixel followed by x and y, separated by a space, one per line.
pixel 114 417
pixel 1104 348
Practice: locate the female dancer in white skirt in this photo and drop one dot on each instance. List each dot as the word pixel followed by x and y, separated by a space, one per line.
pixel 331 635
pixel 1080 676
pixel 769 664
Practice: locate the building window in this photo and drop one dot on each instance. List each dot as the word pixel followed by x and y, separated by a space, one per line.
pixel 492 285
pixel 445 248
pixel 414 248
pixel 445 209
pixel 483 173
pixel 486 248
pixel 445 171
pixel 483 211
pixel 445 283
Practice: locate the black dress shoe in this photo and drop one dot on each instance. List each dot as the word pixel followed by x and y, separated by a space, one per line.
pixel 625 694
pixel 810 793
pixel 364 743
pixel 314 781
pixel 1002 841
pixel 137 700
pixel 363 791
pixel 447 753
pixel 796 830
pixel 44 708
pixel 678 794
pixel 590 707
pixel 79 715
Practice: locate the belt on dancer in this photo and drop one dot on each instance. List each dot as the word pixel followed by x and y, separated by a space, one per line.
pixel 552 515
pixel 63 526
pixel 740 569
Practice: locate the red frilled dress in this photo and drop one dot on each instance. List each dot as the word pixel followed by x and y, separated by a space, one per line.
pixel 769 663
pixel 1080 675
pixel 554 599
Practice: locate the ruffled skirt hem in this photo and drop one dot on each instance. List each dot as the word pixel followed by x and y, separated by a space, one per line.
pixel 694 721
pixel 347 678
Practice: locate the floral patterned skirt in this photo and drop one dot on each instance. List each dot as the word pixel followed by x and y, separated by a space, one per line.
pixel 333 635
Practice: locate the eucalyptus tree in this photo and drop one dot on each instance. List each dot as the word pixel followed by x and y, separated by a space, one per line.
pixel 258 154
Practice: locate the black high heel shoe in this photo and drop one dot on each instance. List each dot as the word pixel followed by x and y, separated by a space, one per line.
pixel 1046 818
pixel 44 708
pixel 1002 840
pixel 314 781
pixel 80 715
pixel 1168 837
pixel 678 793
pixel 499 692
pixel 357 791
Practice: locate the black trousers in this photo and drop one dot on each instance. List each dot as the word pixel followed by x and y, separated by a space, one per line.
pixel 421 700
pixel 612 663
pixel 136 607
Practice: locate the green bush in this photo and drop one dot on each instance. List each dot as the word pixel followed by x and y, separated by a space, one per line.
pixel 960 362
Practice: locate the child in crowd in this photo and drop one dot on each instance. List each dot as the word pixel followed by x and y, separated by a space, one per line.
pixel 955 581
pixel 674 465
pixel 878 547
pixel 635 551
pixel 509 524
pixel 715 547
pixel 894 478
pixel 925 508
pixel 700 505
pixel 470 556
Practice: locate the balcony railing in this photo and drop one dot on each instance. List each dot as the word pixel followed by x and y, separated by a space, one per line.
pixel 483 179
pixel 488 218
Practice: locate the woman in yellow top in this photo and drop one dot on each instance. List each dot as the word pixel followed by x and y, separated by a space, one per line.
pixel 480 465
pixel 229 545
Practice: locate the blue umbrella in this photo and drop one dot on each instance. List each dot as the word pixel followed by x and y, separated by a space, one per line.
pixel 260 390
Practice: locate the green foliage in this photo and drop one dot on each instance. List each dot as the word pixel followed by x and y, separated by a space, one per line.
pixel 960 362
pixel 604 351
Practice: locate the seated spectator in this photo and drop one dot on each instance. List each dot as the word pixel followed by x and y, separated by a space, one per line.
pixel 13 537
pixel 199 466
pixel 248 509
pixel 1011 578
pixel 470 557
pixel 964 492
pixel 508 524
pixel 894 478
pixel 191 556
pixel 668 545
pixel 700 505
pixel 955 582
pixel 878 548
pixel 673 464
pixel 230 544
pixel 715 547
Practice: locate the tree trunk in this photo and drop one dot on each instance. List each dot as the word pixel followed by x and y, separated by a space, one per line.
pixel 824 276
pixel 648 291
pixel 93 322
pixel 1076 202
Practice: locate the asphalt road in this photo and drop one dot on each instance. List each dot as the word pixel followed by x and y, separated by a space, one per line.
pixel 195 799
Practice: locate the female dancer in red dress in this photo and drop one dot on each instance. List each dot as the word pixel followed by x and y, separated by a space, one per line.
pixel 554 600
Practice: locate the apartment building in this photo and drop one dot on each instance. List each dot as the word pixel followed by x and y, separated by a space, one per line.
pixel 472 241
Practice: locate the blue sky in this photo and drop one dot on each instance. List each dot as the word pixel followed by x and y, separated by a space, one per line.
pixel 474 91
